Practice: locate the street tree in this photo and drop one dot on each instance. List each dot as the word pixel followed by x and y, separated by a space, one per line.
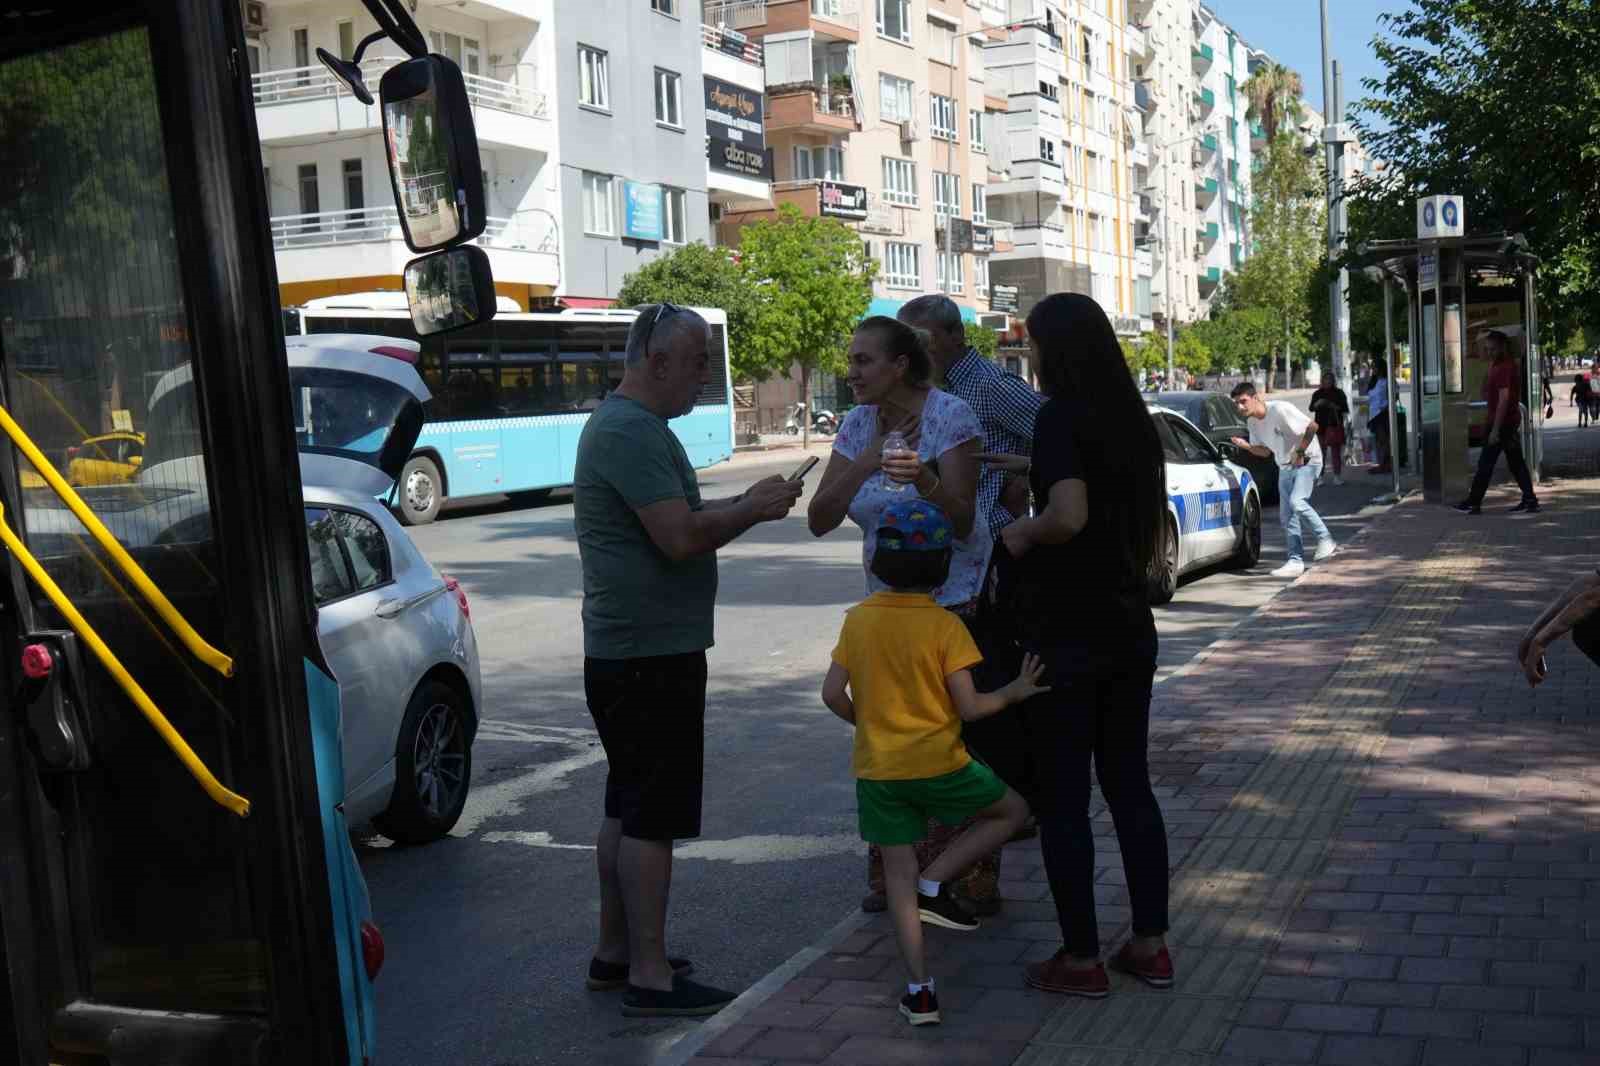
pixel 983 340
pixel 1144 353
pixel 700 276
pixel 1495 102
pixel 1239 337
pixel 1287 230
pixel 815 283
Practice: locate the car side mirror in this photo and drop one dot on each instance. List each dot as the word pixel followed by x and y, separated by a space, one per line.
pixel 432 147
pixel 450 290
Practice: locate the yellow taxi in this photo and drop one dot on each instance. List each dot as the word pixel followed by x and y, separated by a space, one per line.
pixel 109 459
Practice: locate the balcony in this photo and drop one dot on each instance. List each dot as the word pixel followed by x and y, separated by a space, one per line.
pixel 1143 98
pixel 1206 99
pixel 1205 191
pixel 836 19
pixel 306 104
pixel 1005 236
pixel 730 42
pixel 1144 208
pixel 1201 57
pixel 1208 143
pixel 1209 279
pixel 809 107
pixel 734 14
pixel 1210 232
pixel 1141 44
pixel 368 243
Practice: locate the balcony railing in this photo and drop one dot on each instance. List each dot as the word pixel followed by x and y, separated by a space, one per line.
pixel 528 232
pixel 294 85
pixel 735 14
pixel 733 43
pixel 839 12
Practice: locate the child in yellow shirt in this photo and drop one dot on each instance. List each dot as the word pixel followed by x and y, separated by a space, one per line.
pixel 902 675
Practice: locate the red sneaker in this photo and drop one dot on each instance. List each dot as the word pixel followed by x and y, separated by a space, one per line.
pixel 1155 971
pixel 1061 975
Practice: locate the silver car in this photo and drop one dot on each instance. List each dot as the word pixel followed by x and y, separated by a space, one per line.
pixel 396 633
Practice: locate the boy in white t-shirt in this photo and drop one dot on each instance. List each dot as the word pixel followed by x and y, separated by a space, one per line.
pixel 1284 432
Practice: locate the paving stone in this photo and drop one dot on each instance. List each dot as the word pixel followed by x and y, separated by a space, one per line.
pixel 1539 1032
pixel 1443 971
pixel 1538 974
pixel 1459 1053
pixel 1455 924
pixel 1411 1021
pixel 1484 998
pixel 889 1051
pixel 1329 1018
pixel 794 1045
pixel 788 1014
pixel 729 1043
pixel 1274 1044
pixel 1473 947
pixel 1337 964
pixel 1298 989
pixel 1369 1051
pixel 1389 994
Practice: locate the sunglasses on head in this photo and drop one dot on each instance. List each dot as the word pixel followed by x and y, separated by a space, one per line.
pixel 663 309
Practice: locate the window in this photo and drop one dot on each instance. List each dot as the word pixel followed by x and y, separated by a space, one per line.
pixel 813 162
pixel 900 181
pixel 1049 90
pixel 367 549
pixel 674 216
pixel 669 98
pixel 902 265
pixel 941 42
pixel 980 276
pixel 599 204
pixel 894 19
pixel 463 51
pixel 949 268
pixel 355 197
pixel 980 202
pixel 946 194
pixel 894 98
pixel 347 39
pixel 975 63
pixel 330 578
pixel 943 117
pixel 470 62
pixel 301 39
pixel 975 126
pixel 666 7
pixel 1047 149
pixel 1091 171
pixel 310 201
pixel 594 79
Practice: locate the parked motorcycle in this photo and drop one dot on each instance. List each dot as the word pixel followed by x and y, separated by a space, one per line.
pixel 824 422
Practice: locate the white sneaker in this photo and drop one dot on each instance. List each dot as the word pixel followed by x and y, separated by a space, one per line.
pixel 1292 568
pixel 1325 550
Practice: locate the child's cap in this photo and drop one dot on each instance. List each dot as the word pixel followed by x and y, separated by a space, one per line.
pixel 915 525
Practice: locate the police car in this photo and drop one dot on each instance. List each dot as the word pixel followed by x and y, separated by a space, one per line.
pixel 1213 506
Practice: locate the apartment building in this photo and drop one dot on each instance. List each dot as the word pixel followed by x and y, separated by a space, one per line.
pixel 334 222
pixel 1221 155
pixel 877 114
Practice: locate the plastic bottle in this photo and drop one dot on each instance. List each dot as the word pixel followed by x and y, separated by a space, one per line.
pixel 895 443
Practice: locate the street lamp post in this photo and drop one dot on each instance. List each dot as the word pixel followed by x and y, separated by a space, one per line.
pixel 1334 137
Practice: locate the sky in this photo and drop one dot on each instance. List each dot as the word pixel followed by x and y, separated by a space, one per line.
pixel 1291 31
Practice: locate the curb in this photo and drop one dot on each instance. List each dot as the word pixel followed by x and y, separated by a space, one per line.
pixel 780 447
pixel 758 994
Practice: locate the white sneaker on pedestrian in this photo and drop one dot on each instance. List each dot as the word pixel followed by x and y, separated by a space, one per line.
pixel 1292 568
pixel 1325 550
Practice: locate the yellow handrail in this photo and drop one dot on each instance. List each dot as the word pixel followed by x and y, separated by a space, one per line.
pixel 174 740
pixel 218 661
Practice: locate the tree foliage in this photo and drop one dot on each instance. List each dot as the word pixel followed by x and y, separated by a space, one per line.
pixel 985 341
pixel 1287 222
pixel 1144 353
pixel 1499 103
pixel 701 276
pixel 1239 337
pixel 1273 93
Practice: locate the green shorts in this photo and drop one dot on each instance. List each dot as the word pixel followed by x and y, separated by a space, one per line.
pixel 897 812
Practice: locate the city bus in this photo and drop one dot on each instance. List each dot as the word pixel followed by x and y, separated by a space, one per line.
pixel 177 882
pixel 510 397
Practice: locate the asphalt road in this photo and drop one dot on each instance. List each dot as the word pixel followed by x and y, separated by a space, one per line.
pixel 489 931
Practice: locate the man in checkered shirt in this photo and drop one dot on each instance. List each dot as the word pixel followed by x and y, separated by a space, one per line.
pixel 1003 402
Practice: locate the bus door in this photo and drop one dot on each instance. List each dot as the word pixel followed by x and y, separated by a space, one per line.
pixel 170 889
pixel 470 403
pixel 530 392
pixel 589 363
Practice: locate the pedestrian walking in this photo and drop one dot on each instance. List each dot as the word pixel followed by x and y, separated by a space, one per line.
pixel 1282 431
pixel 890 376
pixel 1073 585
pixel 1581 397
pixel 1006 407
pixel 1502 430
pixel 902 675
pixel 1331 408
pixel 648 545
pixel 1378 415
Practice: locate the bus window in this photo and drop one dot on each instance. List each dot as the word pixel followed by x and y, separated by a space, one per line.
pixel 584 378
pixel 159 870
pixel 470 383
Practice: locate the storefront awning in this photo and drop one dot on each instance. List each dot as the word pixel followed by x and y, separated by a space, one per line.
pixel 882 306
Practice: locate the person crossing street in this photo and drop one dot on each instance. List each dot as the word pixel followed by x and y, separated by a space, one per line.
pixel 1282 431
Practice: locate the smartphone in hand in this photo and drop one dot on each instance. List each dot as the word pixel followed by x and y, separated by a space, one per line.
pixel 804 468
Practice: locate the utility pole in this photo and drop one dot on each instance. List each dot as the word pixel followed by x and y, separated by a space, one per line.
pixel 1334 137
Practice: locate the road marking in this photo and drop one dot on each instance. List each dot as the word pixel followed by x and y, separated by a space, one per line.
pixel 530 733
pixel 505 798
pixel 741 851
pixel 538 839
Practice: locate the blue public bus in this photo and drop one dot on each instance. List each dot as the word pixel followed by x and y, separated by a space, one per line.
pixel 510 398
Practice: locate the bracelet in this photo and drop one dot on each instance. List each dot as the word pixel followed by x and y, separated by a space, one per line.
pixel 936 484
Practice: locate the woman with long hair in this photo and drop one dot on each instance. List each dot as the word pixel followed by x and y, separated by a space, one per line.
pixel 1331 407
pixel 1378 413
pixel 1073 586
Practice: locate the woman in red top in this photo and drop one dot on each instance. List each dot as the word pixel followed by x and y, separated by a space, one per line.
pixel 1502 432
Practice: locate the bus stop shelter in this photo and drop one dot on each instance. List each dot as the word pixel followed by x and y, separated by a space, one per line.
pixel 1457 289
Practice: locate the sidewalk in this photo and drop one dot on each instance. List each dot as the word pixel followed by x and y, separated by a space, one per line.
pixel 1386 849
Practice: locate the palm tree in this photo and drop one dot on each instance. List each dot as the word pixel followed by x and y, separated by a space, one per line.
pixel 1274 94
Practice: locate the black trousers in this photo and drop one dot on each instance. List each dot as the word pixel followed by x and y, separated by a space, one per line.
pixel 1510 443
pixel 1103 716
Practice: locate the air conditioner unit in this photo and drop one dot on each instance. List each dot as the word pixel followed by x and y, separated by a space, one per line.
pixel 909 131
pixel 255 16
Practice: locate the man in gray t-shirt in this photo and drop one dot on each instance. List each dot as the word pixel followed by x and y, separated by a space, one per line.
pixel 649 544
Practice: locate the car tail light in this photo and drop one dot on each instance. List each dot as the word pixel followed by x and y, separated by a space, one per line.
pixel 461 595
pixel 405 355
pixel 371 949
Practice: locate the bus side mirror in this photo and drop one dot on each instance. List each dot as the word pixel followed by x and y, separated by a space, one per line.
pixel 432 147
pixel 450 290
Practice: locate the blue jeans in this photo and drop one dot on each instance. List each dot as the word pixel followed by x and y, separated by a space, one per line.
pixel 1294 506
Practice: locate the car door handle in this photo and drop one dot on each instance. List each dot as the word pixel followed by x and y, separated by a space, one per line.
pixel 395 608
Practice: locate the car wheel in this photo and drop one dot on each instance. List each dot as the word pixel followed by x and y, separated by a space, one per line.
pixel 1249 553
pixel 420 491
pixel 1164 578
pixel 433 766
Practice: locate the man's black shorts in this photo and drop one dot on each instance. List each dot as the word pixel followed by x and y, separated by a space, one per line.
pixel 651 715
